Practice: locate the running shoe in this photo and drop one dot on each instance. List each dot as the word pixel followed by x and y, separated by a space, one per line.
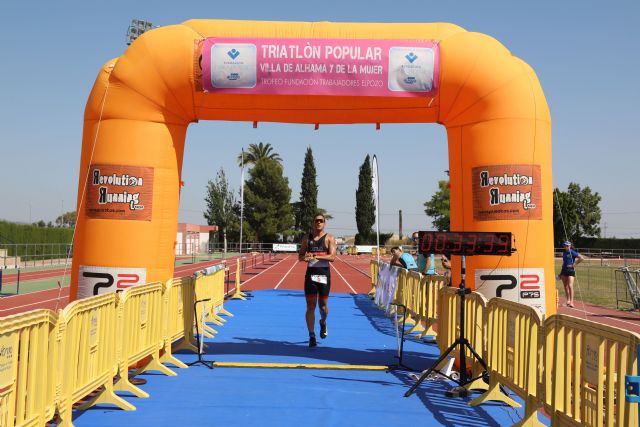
pixel 312 341
pixel 323 330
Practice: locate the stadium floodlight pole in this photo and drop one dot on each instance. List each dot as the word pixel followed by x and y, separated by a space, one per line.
pixel 137 28
pixel 241 196
pixel 376 200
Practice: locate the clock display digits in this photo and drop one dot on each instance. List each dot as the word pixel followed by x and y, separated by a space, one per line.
pixel 457 242
pixel 427 242
pixel 465 243
pixel 471 241
pixel 488 245
pixel 441 239
pixel 503 244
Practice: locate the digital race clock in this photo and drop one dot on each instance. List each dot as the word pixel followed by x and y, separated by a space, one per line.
pixel 465 243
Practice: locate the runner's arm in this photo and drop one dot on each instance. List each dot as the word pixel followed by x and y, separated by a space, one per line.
pixel 303 250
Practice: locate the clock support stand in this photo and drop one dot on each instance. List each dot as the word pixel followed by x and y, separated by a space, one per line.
pixel 462 344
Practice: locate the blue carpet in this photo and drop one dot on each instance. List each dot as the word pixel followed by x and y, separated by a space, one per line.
pixel 270 327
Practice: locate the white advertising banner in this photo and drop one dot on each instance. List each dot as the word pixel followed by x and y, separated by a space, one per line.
pixel 285 247
pixel 364 249
pixel 94 280
pixel 522 285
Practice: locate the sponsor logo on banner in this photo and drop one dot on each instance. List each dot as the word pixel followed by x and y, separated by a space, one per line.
pixel 102 280
pixel 120 192
pixel 411 69
pixel 364 249
pixel 522 285
pixel 235 65
pixel 285 247
pixel 341 67
pixel 507 192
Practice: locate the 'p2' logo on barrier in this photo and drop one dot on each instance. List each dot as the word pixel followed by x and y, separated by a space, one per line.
pixel 94 280
pixel 522 285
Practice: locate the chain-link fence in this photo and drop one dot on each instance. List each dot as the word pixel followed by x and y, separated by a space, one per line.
pixel 607 257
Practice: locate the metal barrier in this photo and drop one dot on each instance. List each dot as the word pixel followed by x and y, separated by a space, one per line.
pixel 584 377
pixel 418 292
pixel 400 293
pixel 140 334
pixel 413 302
pixel 430 288
pixel 28 374
pixel 238 294
pixel 209 286
pixel 513 355
pixel 88 355
pixel 217 302
pixel 178 319
pixel 475 327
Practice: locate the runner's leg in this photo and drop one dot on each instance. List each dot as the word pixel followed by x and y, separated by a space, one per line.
pixel 311 312
pixel 565 283
pixel 570 289
pixel 324 308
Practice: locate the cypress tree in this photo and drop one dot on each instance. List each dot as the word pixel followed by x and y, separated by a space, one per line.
pixel 365 208
pixel 308 194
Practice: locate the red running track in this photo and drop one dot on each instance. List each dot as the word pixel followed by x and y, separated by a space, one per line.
pixel 288 273
pixel 626 320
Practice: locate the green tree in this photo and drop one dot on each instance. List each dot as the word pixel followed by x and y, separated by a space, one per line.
pixel 267 201
pixel 565 218
pixel 438 207
pixel 365 207
pixel 222 207
pixel 258 151
pixel 308 205
pixel 576 214
pixel 67 219
pixel 587 204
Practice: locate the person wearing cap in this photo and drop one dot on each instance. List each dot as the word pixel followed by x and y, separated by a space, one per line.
pixel 570 258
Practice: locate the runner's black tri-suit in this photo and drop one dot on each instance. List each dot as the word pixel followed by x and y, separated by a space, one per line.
pixel 317 280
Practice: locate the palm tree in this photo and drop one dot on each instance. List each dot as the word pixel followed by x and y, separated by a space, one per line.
pixel 258 151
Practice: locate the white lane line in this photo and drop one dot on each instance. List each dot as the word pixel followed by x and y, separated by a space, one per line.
pixel 285 276
pixel 345 280
pixel 253 277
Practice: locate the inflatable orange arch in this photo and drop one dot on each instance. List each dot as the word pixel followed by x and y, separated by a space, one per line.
pixel 497 119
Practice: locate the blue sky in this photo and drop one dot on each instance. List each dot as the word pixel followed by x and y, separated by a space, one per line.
pixel 584 52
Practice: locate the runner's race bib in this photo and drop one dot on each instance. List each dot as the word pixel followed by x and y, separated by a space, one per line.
pixel 319 278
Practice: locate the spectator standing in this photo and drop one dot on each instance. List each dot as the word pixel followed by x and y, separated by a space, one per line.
pixel 570 258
